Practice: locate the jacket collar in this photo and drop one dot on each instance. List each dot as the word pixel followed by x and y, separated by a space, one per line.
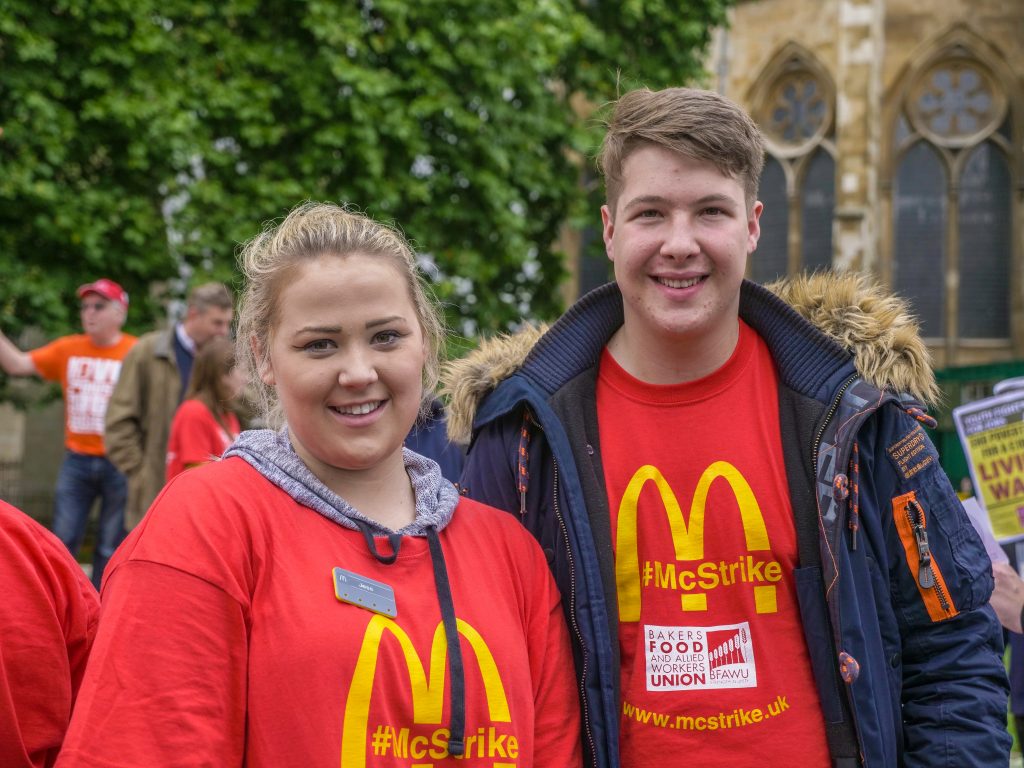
pixel 163 345
pixel 806 357
pixel 820 329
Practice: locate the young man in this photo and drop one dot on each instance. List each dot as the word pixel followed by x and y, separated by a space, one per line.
pixel 761 560
pixel 153 381
pixel 87 366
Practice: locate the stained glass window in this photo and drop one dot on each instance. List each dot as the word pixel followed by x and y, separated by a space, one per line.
pixel 954 189
pixel 984 265
pixel 818 202
pixel 796 115
pixel 919 202
pixel 954 101
pixel 798 108
pixel 771 258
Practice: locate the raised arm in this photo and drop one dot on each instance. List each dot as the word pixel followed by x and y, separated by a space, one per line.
pixel 14 361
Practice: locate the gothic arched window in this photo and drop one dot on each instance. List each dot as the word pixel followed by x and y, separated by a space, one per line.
pixel 920 211
pixel 952 207
pixel 771 259
pixel 795 110
pixel 817 203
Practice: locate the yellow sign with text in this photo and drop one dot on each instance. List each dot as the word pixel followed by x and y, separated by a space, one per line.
pixel 427 692
pixel 992 434
pixel 688 542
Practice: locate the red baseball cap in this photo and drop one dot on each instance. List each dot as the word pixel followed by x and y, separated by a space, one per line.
pixel 108 289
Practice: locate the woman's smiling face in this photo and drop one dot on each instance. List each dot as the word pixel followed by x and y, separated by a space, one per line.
pixel 346 356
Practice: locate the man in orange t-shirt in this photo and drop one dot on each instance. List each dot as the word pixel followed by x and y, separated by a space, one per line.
pixel 87 366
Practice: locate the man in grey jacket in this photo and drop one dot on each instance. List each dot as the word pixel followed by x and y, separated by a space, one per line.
pixel 154 377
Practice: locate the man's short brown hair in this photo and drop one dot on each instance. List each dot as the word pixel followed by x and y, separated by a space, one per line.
pixel 210 295
pixel 699 124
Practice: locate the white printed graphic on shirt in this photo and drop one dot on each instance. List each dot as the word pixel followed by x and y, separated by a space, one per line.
pixel 90 382
pixel 699 658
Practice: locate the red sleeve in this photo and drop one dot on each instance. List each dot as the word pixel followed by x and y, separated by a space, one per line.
pixel 48 615
pixel 556 702
pixel 51 359
pixel 166 683
pixel 195 435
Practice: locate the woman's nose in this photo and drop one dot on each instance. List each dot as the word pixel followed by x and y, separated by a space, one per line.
pixel 358 370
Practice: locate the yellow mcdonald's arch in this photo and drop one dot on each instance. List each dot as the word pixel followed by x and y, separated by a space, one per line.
pixel 427 693
pixel 687 538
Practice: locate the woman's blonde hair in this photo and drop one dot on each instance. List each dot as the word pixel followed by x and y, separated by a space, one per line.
pixel 310 231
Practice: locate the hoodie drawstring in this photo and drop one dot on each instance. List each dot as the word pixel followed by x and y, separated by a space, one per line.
pixel 457 700
pixel 395 539
pixel 457 695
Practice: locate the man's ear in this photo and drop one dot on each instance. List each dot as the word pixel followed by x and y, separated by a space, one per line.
pixel 607 230
pixel 754 226
pixel 191 313
pixel 264 368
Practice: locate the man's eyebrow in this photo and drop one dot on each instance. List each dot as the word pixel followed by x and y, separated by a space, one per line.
pixel 714 197
pixel 645 200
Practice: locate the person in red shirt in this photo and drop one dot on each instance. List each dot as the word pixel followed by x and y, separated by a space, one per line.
pixel 48 617
pixel 204 424
pixel 87 365
pixel 322 595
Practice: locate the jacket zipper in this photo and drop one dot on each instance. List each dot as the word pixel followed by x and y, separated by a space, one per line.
pixel 575 623
pixel 925 572
pixel 815 449
pixel 828 417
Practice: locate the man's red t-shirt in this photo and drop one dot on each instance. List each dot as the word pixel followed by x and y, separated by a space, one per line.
pixel 714 661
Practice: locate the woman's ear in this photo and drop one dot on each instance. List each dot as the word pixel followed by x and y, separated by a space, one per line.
pixel 264 368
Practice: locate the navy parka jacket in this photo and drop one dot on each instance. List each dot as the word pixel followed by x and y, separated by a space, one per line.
pixel 893 584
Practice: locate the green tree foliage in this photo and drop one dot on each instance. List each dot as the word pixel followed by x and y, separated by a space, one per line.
pixel 144 140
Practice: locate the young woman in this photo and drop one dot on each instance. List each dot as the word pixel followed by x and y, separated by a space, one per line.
pixel 204 424
pixel 323 597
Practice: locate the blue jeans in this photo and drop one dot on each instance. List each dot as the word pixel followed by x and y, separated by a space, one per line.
pixel 81 481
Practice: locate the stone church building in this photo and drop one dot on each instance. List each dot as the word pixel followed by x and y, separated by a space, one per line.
pixel 896 146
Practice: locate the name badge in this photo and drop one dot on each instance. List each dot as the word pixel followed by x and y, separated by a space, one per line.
pixel 366 593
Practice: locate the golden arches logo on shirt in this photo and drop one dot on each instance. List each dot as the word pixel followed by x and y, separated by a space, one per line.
pixel 688 542
pixel 427 698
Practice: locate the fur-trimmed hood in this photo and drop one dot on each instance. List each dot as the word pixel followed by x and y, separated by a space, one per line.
pixel 877 328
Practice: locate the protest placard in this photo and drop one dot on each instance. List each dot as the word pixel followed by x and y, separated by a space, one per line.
pixel 991 431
